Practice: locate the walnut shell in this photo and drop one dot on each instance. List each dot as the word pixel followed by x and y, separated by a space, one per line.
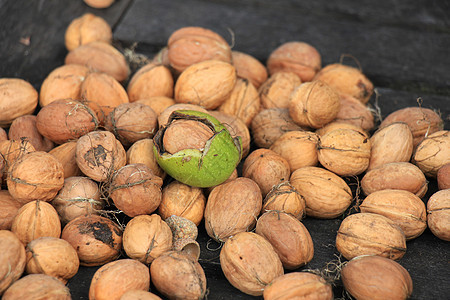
pixel 249 67
pixel 25 127
pixel 340 125
pixel 182 228
pixel 354 112
pixel 36 175
pixel 291 143
pixel 327 195
pixel 347 80
pixel 288 236
pixel 163 118
pixel 433 153
pixel 443 177
pixel 314 104
pixel 17 98
pixel 232 207
pixel 139 294
pixel 177 276
pixel 403 207
pixel 393 143
pixel 345 152
pixel 191 45
pixel 243 102
pixel 421 121
pixel 269 124
pixel 37 286
pixel 34 220
pixel 63 82
pixel 266 168
pixel 64 120
pixel 115 278
pixel 97 239
pixel 249 262
pixel 438 209
pixel 302 285
pixel 397 176
pixel 98 154
pixel 52 256
pixel 85 29
pixel 182 200
pixel 174 139
pixel 141 152
pixel 65 153
pixel 208 83
pixel 376 277
pixel 99 3
pixel 150 80
pixel 295 56
pixel 12 150
pixel 135 190
pixel 157 103
pixel 12 260
pixel 9 207
pixel 100 57
pixel 370 234
pixel 146 237
pixel 276 91
pixel 79 196
pixel 285 198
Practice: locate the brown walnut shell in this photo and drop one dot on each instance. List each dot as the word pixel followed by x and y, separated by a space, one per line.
pixel 65 153
pixel 354 112
pixel 443 177
pixel 146 237
pixel 139 294
pixel 438 209
pixel 340 125
pixel 17 98
pixel 249 262
pixel 376 277
pixel 25 127
pixel 157 103
pixel 249 67
pixel 285 198
pixel 403 207
pixel 97 239
pixel 276 91
pixel 232 207
pixel 99 3
pixel 326 194
pixel 163 118
pixel 12 150
pixel 433 153
pixel 141 152
pixel 85 29
pixel 37 286
pixel 370 234
pixel 12 260
pixel 9 207
pixel 115 278
pixel 150 80
pixel 288 236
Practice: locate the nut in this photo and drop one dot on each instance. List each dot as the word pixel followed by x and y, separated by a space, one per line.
pixel 85 29
pixel 370 234
pixel 17 98
pixel 25 127
pixel 403 207
pixel 37 286
pixel 339 125
pixel 146 237
pixel 433 153
pixel 11 150
pixel 443 177
pixel 285 198
pixel 276 91
pixel 141 152
pixel 65 153
pixel 327 195
pixel 9 207
pixel 249 67
pixel 99 3
pixel 12 260
pixel 157 103
pixel 438 209
pixel 139 294
pixel 298 57
pixel 288 236
pixel 314 104
pixel 249 262
pixel 376 277
pixel 150 80
pixel 355 112
pixel 232 207
pixel 163 117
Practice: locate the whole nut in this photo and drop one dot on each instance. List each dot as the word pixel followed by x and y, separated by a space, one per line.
pixel 149 81
pixel 443 177
pixel 232 207
pixel 97 239
pixel 191 45
pixel 37 286
pixel 397 176
pixel 12 150
pixel 438 209
pixel 295 56
pixel 12 260
pixel 115 278
pixel 285 198
pixel 354 112
pixel 314 104
pixel 146 237
pixel 249 67
pixel 34 220
pixel 52 256
pixel 370 234
pixel 139 294
pixel 9 207
pixel 376 277
pixel 99 3
pixel 177 276
pixel 85 29
pixel 64 82
pixel 208 83
pixel 249 262
pixel 433 153
pixel 326 194
pixel 141 152
pixel 298 284
pixel 347 80
pixel 65 153
pixel 17 98
pixel 288 236
pixel 403 207
pixel 393 143
pixel 340 125
pixel 25 127
pixel 276 91
pixel 345 152
pixel 157 103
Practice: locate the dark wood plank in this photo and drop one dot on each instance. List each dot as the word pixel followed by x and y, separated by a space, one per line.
pixel 42 23
pixel 392 56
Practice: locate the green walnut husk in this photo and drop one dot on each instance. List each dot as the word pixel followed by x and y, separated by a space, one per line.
pixel 200 168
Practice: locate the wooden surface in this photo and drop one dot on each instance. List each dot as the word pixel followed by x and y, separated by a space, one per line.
pixel 402 46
